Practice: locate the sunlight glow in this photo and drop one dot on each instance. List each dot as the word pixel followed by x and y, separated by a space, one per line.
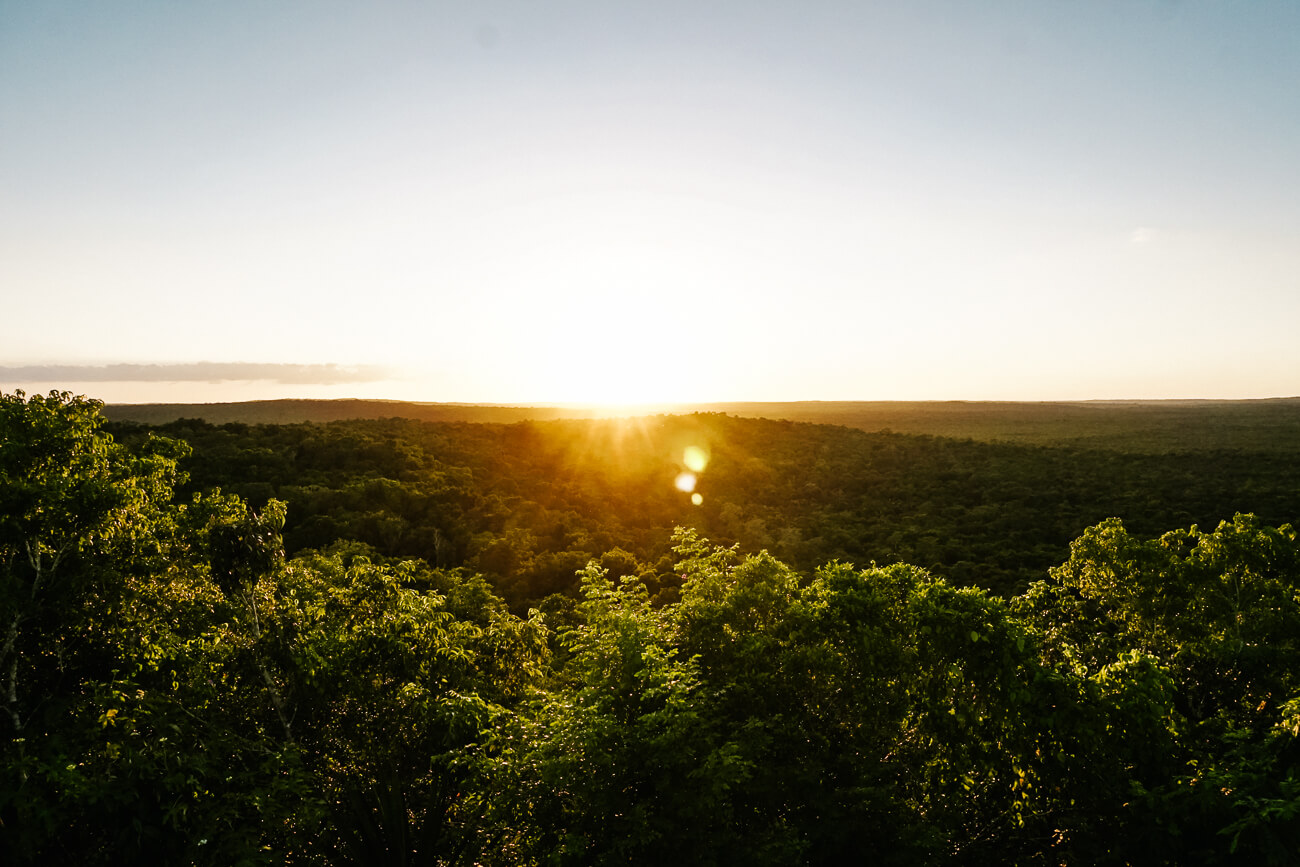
pixel 685 482
pixel 695 458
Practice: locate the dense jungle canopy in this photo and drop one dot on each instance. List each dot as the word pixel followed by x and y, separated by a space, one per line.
pixel 698 639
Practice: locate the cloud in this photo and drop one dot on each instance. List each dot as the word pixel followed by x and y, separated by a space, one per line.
pixel 202 371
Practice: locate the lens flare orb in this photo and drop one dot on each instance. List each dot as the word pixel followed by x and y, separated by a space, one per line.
pixel 695 459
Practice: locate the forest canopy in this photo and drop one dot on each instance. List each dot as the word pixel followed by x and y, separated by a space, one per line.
pixel 452 643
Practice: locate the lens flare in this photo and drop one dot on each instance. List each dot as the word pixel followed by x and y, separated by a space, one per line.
pixel 696 499
pixel 695 458
pixel 686 482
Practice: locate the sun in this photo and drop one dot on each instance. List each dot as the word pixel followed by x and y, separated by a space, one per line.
pixel 621 306
pixel 630 384
pixel 620 357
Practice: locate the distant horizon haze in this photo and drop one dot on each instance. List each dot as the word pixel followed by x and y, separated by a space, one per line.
pixel 196 383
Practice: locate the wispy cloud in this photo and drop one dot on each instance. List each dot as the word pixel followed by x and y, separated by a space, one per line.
pixel 202 371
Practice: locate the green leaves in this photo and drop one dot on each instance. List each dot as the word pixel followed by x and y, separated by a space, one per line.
pixel 1189 642
pixel 244 547
pixel 177 691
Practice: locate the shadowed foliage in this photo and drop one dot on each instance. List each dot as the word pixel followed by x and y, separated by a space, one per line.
pixel 404 643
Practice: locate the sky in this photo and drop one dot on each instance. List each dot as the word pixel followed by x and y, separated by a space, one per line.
pixel 573 201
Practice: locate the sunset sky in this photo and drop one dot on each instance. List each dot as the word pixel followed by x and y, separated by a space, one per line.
pixel 669 201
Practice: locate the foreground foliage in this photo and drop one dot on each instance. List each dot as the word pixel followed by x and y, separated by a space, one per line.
pixel 176 690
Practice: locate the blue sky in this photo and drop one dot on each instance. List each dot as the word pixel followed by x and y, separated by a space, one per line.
pixel 603 201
